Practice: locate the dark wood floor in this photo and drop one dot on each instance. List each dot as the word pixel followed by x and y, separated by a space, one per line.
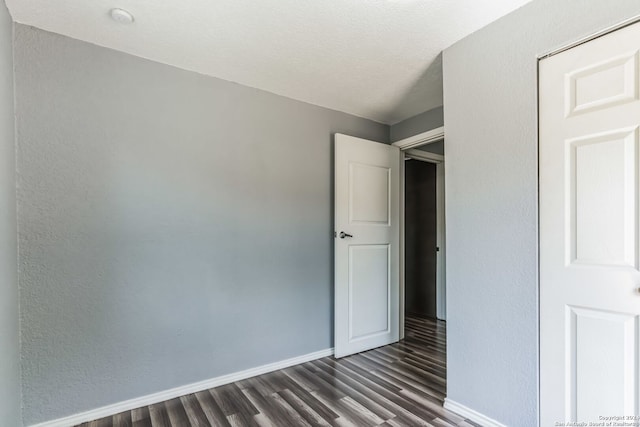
pixel 398 385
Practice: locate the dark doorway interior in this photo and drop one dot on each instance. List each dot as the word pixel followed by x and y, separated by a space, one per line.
pixel 420 238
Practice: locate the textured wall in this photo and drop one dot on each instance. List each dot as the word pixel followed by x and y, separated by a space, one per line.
pixel 173 227
pixel 9 341
pixel 490 87
pixel 417 124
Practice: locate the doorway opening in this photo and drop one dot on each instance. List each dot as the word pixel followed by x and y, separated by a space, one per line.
pixel 422 228
pixel 420 240
pixel 369 235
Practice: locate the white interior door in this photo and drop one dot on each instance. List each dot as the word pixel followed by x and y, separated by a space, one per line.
pixel 589 277
pixel 367 245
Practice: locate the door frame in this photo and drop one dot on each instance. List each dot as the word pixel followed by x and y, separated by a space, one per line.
pixel 407 148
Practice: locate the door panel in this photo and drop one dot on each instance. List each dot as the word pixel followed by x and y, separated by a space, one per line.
pixel 601 378
pixel 604 84
pixel 602 191
pixel 369 288
pixel 369 194
pixel 367 251
pixel 589 278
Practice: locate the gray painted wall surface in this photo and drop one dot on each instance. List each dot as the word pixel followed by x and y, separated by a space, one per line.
pixel 422 122
pixel 9 335
pixel 173 227
pixel 491 200
pixel 435 147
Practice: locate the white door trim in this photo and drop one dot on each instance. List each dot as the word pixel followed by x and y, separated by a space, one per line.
pixel 407 147
pixel 593 36
pixel 423 138
pixel 424 156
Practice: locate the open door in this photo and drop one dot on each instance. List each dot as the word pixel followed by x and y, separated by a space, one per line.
pixel 367 256
pixel 589 237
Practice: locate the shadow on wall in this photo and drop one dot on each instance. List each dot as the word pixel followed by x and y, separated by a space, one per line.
pixel 423 95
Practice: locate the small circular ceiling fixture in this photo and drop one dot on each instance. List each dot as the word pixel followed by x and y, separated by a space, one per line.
pixel 121 16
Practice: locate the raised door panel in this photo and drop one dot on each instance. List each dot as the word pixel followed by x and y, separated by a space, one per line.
pixel 369 289
pixel 602 363
pixel 607 83
pixel 369 194
pixel 602 188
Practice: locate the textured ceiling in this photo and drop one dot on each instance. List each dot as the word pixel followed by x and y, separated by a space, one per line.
pixel 378 59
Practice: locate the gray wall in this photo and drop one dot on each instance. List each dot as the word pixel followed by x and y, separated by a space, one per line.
pixel 434 147
pixel 491 190
pixel 173 227
pixel 9 336
pixel 417 124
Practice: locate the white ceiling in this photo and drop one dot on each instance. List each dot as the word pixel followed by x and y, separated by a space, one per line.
pixel 378 59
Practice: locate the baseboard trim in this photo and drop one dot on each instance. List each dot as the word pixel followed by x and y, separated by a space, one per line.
pixel 470 414
pixel 150 399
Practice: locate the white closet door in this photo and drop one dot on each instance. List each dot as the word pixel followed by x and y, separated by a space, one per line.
pixel 589 278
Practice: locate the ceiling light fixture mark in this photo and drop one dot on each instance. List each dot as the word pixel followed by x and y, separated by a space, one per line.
pixel 121 16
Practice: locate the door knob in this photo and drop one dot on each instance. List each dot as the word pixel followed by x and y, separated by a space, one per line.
pixel 343 235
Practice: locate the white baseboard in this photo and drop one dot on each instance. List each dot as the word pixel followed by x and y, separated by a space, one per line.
pixel 470 414
pixel 150 399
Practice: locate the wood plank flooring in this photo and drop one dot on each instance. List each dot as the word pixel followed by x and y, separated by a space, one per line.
pixel 403 384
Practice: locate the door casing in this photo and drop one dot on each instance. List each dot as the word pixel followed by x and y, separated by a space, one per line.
pixel 408 150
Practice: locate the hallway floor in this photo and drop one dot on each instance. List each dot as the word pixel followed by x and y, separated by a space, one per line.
pixel 401 384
